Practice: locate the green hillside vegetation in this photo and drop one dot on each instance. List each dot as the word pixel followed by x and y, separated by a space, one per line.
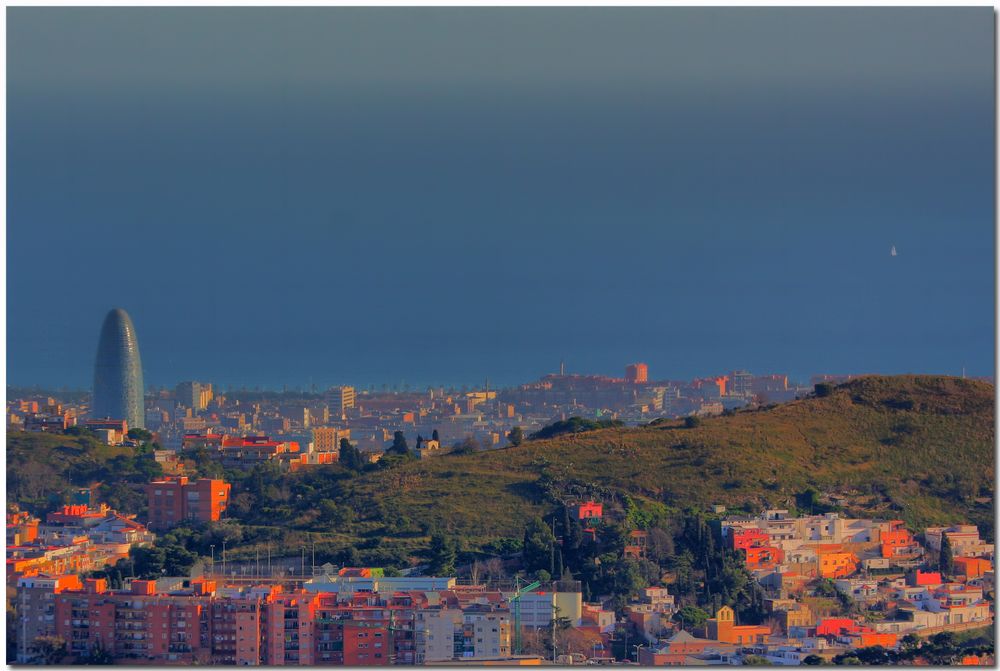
pixel 919 448
pixel 43 469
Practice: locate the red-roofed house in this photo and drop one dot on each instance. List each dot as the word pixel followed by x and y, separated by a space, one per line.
pixel 590 510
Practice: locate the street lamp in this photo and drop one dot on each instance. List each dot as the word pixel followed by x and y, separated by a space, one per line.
pixel 212 546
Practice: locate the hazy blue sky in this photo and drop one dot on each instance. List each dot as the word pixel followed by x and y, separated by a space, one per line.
pixel 436 195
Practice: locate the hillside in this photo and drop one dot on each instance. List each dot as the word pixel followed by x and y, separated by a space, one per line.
pixel 920 448
pixel 43 468
pixel 916 447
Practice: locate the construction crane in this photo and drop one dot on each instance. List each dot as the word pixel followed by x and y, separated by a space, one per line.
pixel 515 604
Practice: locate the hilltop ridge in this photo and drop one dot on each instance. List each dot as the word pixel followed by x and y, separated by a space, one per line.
pixel 916 447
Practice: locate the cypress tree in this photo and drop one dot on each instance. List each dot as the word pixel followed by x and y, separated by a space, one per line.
pixel 946 562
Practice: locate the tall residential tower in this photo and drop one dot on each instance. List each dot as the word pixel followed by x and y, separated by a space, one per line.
pixel 118 388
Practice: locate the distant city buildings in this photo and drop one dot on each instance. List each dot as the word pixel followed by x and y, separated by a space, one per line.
pixel 341 399
pixel 327 438
pixel 637 373
pixel 194 395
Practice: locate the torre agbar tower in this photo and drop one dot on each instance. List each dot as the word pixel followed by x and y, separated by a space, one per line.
pixel 118 388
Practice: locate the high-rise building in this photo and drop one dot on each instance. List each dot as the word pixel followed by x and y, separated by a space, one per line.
pixel 341 398
pixel 327 438
pixel 636 372
pixel 741 383
pixel 118 388
pixel 194 395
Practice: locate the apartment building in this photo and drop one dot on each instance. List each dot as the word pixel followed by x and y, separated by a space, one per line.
pixel 175 499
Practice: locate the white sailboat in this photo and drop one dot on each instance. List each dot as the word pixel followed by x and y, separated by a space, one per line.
pixel 892 252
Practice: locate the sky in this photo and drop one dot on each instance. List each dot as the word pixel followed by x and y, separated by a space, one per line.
pixel 434 196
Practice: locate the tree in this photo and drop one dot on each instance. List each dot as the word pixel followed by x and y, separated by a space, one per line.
pixel 755 660
pixel 141 435
pixel 349 556
pixel 538 546
pixel 812 660
pixel 910 642
pixel 98 656
pixel 399 445
pixel 691 617
pixel 494 569
pixel 516 436
pixel 350 456
pixel 329 512
pixel 51 648
pixel 443 552
pixel 468 445
pixel 660 545
pixel 947 560
pixel 435 435
pixel 808 501
pixel 148 562
pixel 823 389
pixel 692 421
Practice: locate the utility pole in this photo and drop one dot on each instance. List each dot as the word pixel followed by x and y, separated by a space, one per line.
pixel 552 552
pixel 223 560
pixel 555 618
pixel 626 640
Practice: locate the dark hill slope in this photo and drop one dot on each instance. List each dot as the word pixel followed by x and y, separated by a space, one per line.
pixel 916 447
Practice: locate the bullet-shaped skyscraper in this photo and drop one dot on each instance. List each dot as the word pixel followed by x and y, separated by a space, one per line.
pixel 118 388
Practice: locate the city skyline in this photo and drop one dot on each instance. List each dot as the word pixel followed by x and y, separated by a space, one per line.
pixel 310 195
pixel 118 326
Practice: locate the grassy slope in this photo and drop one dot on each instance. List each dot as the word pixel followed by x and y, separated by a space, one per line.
pixel 40 464
pixel 898 437
pixel 919 448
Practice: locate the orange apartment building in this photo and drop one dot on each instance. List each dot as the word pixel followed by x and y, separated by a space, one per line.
pixel 176 499
pixel 203 623
pixel 763 557
pixel 723 628
pixel 22 528
pixel 898 541
pixel 834 563
pixel 971 567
